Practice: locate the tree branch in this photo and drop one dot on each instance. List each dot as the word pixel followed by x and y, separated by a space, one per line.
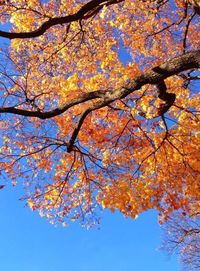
pixel 168 98
pixel 151 77
pixel 85 12
pixel 155 76
pixel 96 106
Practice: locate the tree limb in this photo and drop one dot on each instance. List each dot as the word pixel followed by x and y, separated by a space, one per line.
pixel 155 76
pixel 85 12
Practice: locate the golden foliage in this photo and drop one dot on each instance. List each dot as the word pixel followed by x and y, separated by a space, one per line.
pixel 126 156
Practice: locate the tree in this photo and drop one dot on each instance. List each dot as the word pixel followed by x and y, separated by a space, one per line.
pixel 182 235
pixel 85 127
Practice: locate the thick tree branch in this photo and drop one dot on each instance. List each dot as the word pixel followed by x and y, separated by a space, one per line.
pixel 168 98
pixel 155 76
pixel 57 111
pixel 85 12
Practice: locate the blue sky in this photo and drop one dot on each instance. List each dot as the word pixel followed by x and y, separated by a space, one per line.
pixel 30 243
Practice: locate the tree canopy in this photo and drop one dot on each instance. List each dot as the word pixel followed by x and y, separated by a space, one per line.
pixel 99 105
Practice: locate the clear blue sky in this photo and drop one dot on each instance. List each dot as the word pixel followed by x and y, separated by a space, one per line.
pixel 30 243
